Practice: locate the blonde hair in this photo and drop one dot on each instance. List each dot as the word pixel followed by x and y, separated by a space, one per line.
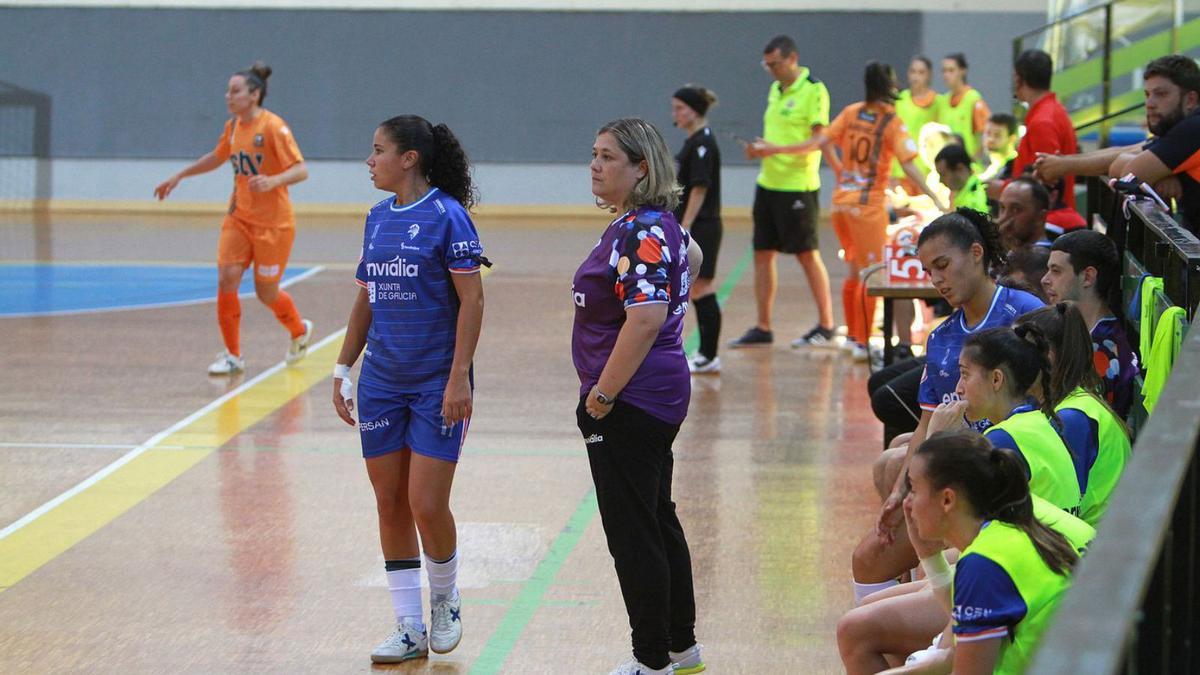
pixel 641 141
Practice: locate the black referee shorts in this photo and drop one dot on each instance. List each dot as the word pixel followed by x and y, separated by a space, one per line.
pixel 707 235
pixel 785 221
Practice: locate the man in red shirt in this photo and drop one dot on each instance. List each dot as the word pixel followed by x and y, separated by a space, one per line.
pixel 1048 129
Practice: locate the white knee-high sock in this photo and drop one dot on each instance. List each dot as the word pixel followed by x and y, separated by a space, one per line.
pixel 443 576
pixel 404 583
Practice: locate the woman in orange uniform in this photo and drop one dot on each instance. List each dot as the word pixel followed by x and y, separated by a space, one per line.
pixel 259 227
pixel 868 136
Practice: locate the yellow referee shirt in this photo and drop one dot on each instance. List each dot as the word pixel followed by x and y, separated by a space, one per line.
pixel 791 114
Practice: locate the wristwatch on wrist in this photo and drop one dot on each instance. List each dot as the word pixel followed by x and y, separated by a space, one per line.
pixel 602 399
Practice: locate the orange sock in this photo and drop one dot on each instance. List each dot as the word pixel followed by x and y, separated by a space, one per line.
pixel 229 317
pixel 866 305
pixel 285 310
pixel 852 309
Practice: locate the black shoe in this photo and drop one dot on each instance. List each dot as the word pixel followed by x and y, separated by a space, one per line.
pixel 817 337
pixel 902 352
pixel 754 336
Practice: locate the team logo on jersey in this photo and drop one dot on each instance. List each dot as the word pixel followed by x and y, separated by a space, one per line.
pixel 259 140
pixel 580 298
pixel 396 267
pixel 462 249
pixel 413 231
pixel 702 151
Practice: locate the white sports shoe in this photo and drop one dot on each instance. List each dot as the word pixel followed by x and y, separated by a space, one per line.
pixel 700 365
pixel 406 642
pixel 635 667
pixel 688 661
pixel 446 629
pixel 227 364
pixel 299 347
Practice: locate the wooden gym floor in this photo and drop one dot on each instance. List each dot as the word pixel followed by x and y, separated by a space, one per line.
pixel 158 520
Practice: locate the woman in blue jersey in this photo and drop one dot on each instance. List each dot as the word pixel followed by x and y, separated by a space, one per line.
pixel 960 251
pixel 903 620
pixel 631 293
pixel 1013 569
pixel 998 369
pixel 418 314
pixel 1096 435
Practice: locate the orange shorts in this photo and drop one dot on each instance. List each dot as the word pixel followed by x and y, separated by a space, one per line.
pixel 267 247
pixel 862 232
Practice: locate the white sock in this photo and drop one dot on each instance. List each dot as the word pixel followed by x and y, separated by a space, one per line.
pixel 443 576
pixel 863 590
pixel 405 587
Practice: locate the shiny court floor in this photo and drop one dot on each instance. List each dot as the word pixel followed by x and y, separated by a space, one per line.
pixel 158 520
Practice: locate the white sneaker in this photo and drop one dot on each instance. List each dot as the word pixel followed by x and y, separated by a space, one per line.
pixel 634 667
pixel 227 364
pixel 299 347
pixel 406 642
pixel 446 629
pixel 701 365
pixel 687 662
pixel 858 351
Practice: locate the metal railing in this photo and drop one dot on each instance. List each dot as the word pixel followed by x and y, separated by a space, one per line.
pixel 1094 46
pixel 1135 603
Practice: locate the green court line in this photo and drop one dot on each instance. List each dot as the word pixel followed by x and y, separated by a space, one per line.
pixel 504 638
pixel 692 342
pixel 532 595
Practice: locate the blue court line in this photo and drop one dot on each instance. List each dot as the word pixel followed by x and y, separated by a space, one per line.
pixel 56 289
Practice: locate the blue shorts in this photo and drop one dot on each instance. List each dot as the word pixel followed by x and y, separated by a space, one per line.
pixel 390 422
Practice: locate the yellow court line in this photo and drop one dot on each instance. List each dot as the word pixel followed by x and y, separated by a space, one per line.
pixel 56 526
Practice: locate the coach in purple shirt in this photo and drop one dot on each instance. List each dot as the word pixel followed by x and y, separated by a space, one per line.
pixel 630 296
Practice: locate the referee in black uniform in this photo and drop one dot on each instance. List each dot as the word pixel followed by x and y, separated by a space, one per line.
pixel 699 212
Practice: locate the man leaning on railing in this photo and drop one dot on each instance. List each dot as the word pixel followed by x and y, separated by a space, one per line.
pixel 1170 161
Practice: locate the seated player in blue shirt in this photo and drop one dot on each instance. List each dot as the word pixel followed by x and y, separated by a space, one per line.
pixel 961 251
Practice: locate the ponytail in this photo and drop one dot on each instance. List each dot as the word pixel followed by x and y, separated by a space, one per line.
pixel 1071 346
pixel 1024 356
pixel 443 161
pixel 1050 396
pixel 256 79
pixel 995 487
pixel 450 170
pixel 965 227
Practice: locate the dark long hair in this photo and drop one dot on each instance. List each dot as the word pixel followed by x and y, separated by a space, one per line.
pixel 995 487
pixel 1071 343
pixel 880 82
pixel 443 161
pixel 1021 353
pixel 965 227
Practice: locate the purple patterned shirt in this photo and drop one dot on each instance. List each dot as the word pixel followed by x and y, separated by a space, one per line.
pixel 640 259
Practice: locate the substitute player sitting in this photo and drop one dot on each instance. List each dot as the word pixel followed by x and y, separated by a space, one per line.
pixel 260 226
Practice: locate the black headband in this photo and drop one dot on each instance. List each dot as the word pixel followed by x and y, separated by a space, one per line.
pixel 694 98
pixel 253 80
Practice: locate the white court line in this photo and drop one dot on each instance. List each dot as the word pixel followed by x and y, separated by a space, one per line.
pixel 83 446
pixel 152 442
pixel 157 305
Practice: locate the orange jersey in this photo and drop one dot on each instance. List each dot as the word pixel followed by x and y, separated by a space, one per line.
pixel 264 147
pixel 870 137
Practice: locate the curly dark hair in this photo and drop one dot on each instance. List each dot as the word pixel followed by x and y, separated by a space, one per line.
pixel 444 163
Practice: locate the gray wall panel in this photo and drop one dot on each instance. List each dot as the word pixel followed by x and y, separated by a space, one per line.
pixel 516 86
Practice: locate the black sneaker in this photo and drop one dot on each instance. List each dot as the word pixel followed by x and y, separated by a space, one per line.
pixel 902 352
pixel 754 336
pixel 817 337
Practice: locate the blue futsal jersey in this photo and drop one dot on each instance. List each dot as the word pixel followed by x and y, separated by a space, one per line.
pixel 940 377
pixel 408 255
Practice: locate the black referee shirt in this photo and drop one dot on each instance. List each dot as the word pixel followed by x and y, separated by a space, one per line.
pixel 700 164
